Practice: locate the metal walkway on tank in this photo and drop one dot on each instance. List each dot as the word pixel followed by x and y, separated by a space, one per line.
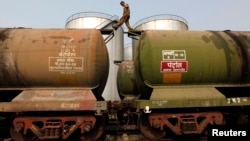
pixel 134 33
pixel 110 32
pixel 130 33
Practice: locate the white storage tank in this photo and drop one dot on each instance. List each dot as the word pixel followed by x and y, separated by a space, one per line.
pixel 162 22
pixel 115 45
pixel 128 50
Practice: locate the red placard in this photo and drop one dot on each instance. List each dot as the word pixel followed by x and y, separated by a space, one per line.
pixel 174 66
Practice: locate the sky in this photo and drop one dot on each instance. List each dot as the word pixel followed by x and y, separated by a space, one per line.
pixel 200 14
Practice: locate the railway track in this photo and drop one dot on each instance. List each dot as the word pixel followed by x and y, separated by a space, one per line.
pixel 125 137
pixel 138 137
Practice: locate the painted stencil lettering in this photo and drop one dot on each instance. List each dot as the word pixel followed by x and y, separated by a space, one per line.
pixel 174 61
pixel 66 62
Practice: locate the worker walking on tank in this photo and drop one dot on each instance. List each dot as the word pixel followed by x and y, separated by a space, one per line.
pixel 125 17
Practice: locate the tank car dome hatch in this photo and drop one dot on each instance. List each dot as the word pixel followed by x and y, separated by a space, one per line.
pixel 115 45
pixel 162 22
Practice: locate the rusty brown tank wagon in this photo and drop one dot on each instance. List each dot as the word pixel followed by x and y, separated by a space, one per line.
pixel 46 57
pixel 60 70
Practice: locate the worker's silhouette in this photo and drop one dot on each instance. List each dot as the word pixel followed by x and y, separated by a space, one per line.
pixel 125 17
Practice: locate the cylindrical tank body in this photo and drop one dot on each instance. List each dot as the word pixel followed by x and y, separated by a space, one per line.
pixel 243 41
pixel 165 58
pixel 126 80
pixel 100 21
pixel 52 58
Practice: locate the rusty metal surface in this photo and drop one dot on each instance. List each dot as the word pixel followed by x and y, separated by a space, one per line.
pixel 52 57
pixel 52 106
pixel 186 123
pixel 55 95
pixel 54 100
pixel 53 127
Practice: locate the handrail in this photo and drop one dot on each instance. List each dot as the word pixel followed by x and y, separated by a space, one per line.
pixel 101 25
pixel 89 14
pixel 160 17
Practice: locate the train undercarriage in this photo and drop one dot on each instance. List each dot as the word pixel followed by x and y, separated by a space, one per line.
pixel 162 124
pixel 87 120
pixel 153 126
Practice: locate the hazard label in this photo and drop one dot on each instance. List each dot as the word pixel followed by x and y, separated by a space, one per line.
pixel 174 66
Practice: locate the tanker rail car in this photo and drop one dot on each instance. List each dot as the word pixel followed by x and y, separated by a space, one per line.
pixel 178 83
pixel 184 82
pixel 51 80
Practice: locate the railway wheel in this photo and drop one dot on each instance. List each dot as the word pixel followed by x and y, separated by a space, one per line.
pixel 19 136
pixel 95 133
pixel 150 132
